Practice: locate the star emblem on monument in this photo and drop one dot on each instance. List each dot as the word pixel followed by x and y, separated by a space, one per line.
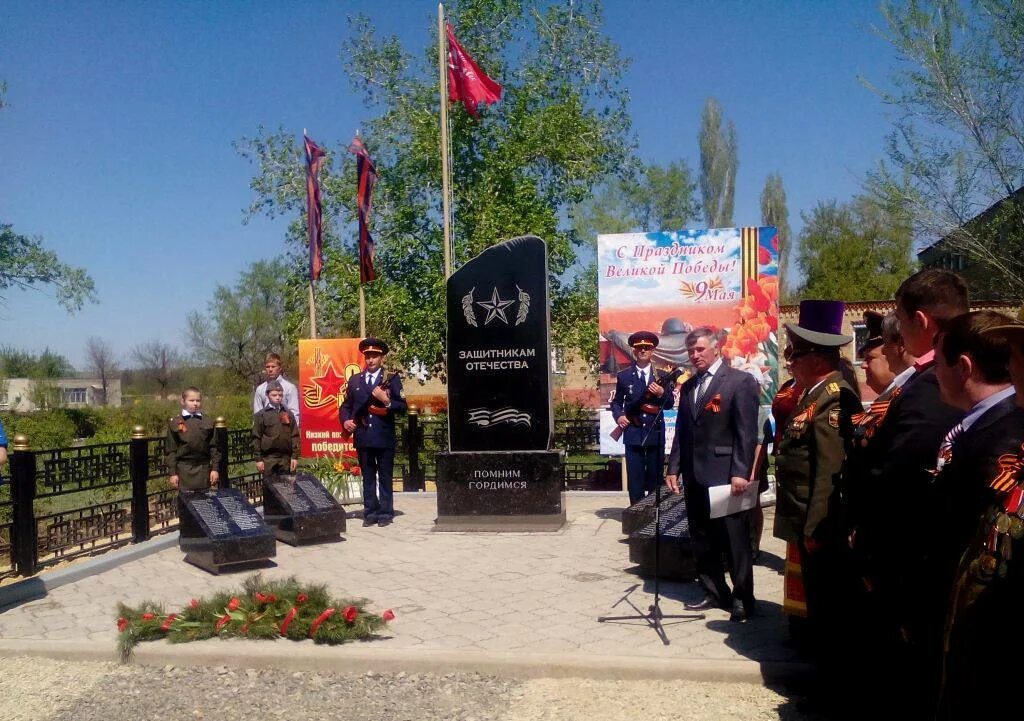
pixel 495 307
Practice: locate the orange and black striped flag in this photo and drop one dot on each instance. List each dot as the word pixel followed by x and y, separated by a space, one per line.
pixel 314 210
pixel 366 178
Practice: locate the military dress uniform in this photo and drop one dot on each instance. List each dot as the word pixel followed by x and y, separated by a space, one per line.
pixel 190 451
pixel 644 439
pixel 982 637
pixel 275 438
pixel 374 435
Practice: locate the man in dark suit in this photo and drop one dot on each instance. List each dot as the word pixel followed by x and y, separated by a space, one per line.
pixel 368 412
pixel 716 435
pixel 972 370
pixel 984 614
pixel 901 455
pixel 643 431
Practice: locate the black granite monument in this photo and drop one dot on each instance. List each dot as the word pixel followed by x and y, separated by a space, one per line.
pixel 500 472
pixel 220 530
pixel 301 510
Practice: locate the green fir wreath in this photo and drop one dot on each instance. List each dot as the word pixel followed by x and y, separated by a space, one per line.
pixel 260 609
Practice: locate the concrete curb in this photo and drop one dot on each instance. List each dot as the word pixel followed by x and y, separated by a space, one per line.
pixel 372 657
pixel 38 586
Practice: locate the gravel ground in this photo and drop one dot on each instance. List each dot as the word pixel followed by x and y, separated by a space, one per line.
pixel 43 689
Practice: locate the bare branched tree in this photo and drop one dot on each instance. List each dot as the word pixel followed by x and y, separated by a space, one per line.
pixel 159 361
pixel 100 360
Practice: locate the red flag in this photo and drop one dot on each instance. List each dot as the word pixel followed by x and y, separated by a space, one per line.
pixel 314 211
pixel 466 81
pixel 366 178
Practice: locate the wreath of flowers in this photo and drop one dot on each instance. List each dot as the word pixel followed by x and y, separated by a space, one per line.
pixel 261 609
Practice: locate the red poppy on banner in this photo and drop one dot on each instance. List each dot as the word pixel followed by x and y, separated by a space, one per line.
pixel 366 178
pixel 314 210
pixel 466 81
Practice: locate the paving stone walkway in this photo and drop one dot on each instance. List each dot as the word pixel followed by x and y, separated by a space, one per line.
pixel 465 592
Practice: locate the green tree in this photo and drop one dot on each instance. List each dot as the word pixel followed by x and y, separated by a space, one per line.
pixel 16 363
pixel 859 250
pixel 775 212
pixel 649 199
pixel 25 263
pixel 957 144
pixel 243 324
pixel 560 129
pixel 718 164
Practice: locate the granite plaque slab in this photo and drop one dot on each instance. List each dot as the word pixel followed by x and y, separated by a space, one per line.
pixel 301 510
pixel 500 491
pixel 642 512
pixel 499 357
pixel 676 560
pixel 220 529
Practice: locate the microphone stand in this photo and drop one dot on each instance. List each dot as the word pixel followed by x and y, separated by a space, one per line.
pixel 654 616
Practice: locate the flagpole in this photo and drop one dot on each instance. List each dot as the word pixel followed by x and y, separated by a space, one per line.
pixel 442 62
pixel 312 301
pixel 362 312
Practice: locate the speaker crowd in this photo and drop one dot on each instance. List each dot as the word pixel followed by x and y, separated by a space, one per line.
pixel 904 521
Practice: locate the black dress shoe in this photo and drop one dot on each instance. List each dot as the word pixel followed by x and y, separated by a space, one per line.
pixel 384 522
pixel 738 612
pixel 708 602
pixel 750 608
pixel 369 522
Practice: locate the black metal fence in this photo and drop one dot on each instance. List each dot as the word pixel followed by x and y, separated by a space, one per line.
pixel 64 503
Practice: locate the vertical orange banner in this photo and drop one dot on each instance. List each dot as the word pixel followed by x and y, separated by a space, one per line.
pixel 325 365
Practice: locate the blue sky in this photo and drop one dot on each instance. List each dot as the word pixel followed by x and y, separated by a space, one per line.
pixel 117 145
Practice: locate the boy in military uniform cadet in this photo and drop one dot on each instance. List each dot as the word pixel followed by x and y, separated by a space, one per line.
pixel 810 454
pixel 368 412
pixel 982 632
pixel 643 431
pixel 191 455
pixel 275 435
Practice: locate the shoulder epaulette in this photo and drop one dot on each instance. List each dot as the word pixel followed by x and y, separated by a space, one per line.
pixel 832 388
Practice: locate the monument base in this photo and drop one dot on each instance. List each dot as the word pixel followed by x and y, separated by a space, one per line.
pixel 500 491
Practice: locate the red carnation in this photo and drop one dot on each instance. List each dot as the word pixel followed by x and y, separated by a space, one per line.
pixel 245 628
pixel 357 470
pixel 148 616
pixel 233 604
pixel 271 598
pixel 388 615
pixel 194 603
pixel 301 598
pixel 222 622
pixel 122 624
pixel 260 597
pixel 166 626
pixel 350 613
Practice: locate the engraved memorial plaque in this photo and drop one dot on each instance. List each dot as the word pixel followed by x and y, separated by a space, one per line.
pixel 301 510
pixel 221 529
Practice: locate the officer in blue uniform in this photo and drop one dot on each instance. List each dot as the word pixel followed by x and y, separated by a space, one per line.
pixel 368 412
pixel 643 431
